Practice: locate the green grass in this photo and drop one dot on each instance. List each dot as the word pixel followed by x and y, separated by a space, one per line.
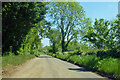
pixel 15 60
pixel 109 65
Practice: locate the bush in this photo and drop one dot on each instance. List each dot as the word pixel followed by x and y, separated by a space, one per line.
pixel 50 54
pixel 89 61
pixel 78 53
pixel 75 59
pixel 102 54
pixel 99 60
pixel 113 53
pixel 90 53
pixel 109 65
pixel 63 57
pixel 108 53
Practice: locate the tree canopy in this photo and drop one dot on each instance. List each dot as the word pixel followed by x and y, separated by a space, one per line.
pixel 18 18
pixel 67 17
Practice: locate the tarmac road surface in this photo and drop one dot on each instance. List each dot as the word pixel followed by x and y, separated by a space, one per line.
pixel 46 66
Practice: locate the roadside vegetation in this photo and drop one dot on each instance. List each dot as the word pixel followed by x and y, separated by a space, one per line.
pixel 15 60
pixel 93 46
pixel 73 37
pixel 107 66
pixel 21 32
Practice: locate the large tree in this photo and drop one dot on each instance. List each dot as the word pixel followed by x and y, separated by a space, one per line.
pixel 18 18
pixel 68 17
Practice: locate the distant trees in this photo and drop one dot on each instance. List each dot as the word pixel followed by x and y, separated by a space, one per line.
pixel 74 45
pixel 54 36
pixel 18 18
pixel 66 16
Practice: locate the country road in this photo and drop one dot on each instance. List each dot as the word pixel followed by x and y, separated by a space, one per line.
pixel 48 67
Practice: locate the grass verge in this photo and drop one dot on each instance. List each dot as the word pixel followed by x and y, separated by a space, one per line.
pixel 15 60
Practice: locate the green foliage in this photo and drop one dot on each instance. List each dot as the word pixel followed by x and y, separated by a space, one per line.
pixel 88 61
pixel 113 53
pixel 20 18
pixel 32 43
pixel 11 54
pixel 103 34
pixel 74 45
pixel 62 56
pixel 75 59
pixel 66 16
pixel 108 53
pixel 15 60
pixel 98 33
pixel 53 35
pixel 109 65
pixel 46 49
pixel 116 31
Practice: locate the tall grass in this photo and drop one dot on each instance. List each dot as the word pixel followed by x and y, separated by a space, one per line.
pixel 109 65
pixel 15 60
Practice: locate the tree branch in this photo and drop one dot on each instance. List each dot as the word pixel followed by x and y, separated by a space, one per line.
pixel 67 28
pixel 69 31
pixel 70 40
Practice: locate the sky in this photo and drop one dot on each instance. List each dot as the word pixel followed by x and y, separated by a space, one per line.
pixel 106 10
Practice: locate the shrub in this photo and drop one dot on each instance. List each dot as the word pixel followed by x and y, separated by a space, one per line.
pixel 108 65
pixel 102 54
pixel 63 57
pixel 90 53
pixel 113 53
pixel 75 59
pixel 89 61
pixel 78 53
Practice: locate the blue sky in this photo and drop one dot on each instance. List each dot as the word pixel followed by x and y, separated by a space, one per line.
pixel 106 10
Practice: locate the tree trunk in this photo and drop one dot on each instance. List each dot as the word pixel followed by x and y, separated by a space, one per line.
pixel 63 45
pixel 54 51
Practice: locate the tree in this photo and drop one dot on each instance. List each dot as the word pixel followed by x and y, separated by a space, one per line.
pixel 31 43
pixel 18 18
pixel 98 34
pixel 53 35
pixel 67 17
pixel 115 26
pixel 74 45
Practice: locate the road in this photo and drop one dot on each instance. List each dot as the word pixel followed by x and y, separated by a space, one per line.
pixel 48 67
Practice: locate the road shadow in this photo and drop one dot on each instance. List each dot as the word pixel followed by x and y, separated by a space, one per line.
pixel 78 69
